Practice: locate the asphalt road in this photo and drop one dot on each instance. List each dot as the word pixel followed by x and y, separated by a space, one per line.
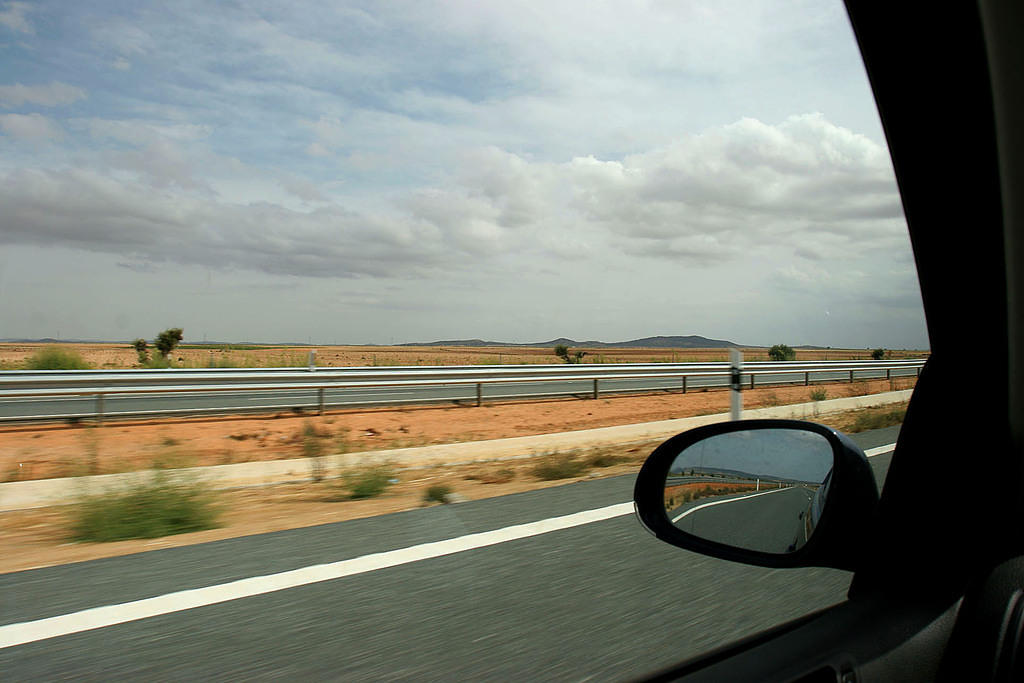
pixel 597 601
pixel 769 521
pixel 269 401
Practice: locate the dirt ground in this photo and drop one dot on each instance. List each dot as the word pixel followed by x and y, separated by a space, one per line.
pixel 113 356
pixel 38 538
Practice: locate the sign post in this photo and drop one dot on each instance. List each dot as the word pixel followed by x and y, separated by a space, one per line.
pixel 735 387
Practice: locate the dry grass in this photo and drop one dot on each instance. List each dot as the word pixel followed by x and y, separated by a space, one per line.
pixel 197 356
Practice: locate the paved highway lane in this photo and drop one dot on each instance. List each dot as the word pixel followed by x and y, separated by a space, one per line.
pixel 601 599
pixel 769 521
pixel 256 401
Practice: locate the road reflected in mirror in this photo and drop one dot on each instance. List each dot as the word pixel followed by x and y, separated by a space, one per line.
pixel 758 489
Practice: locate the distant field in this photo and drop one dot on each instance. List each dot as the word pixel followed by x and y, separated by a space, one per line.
pixel 116 356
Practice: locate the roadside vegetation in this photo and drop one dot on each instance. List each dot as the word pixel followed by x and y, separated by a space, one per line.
pixel 368 481
pixel 438 493
pixel 559 466
pixel 781 352
pixel 158 504
pixel 569 356
pixel 877 419
pixel 56 358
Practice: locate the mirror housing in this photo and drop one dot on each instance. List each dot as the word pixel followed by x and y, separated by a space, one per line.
pixel 841 529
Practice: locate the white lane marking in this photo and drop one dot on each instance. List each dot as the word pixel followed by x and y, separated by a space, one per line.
pixel 108 615
pixel 871 452
pixel 881 450
pixel 730 500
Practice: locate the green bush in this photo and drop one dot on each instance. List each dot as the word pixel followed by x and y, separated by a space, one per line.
pixel 559 467
pixel 818 394
pixel 781 352
pixel 56 358
pixel 878 354
pixel 158 362
pixel 159 504
pixel 563 352
pixel 367 482
pixel 437 493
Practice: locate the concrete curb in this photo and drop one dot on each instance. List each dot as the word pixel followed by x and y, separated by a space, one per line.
pixel 22 495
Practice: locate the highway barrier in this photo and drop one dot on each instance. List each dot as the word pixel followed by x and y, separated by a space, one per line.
pixel 27 395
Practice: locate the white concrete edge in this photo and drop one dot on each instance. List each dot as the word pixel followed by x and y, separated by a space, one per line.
pixel 22 495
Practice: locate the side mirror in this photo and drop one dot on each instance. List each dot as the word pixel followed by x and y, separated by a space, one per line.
pixel 775 493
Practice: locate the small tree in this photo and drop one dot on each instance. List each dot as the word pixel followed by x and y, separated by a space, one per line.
pixel 142 348
pixel 167 340
pixel 878 354
pixel 781 352
pixel 562 351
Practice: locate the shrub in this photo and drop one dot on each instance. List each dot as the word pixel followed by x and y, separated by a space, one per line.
pixel 437 493
pixel 157 505
pixel 313 449
pixel 559 467
pixel 604 459
pixel 818 394
pixel 878 354
pixel 141 347
pixel 781 352
pixel 56 358
pixel 367 482
pixel 158 363
pixel 878 419
pixel 562 351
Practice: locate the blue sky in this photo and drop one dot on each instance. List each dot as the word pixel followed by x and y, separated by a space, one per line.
pixel 376 173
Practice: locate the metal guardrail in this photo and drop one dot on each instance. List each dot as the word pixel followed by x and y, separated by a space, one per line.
pixel 19 385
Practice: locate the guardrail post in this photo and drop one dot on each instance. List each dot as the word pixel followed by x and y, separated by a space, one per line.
pixel 312 360
pixel 917 371
pixel 851 376
pixel 99 409
pixel 888 373
pixel 751 380
pixel 684 384
pixel 479 394
pixel 595 388
pixel 807 379
pixel 320 396
pixel 735 384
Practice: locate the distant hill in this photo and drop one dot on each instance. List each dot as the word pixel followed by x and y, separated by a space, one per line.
pixel 660 342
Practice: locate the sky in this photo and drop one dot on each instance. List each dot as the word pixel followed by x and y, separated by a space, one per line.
pixel 375 173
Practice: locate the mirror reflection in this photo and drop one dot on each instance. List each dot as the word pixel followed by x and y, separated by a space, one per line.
pixel 757 489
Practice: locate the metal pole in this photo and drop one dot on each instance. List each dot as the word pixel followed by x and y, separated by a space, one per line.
pixel 851 376
pixel 751 380
pixel 807 378
pixel 595 388
pixel 684 384
pixel 320 394
pixel 735 370
pixel 479 394
pixel 888 373
pixel 99 409
pixel 312 360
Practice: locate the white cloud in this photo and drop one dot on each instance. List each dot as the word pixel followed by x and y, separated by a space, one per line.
pixel 13 16
pixel 52 94
pixel 30 127
pixel 121 64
